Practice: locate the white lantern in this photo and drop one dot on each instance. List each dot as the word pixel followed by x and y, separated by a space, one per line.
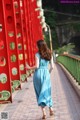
pixel 41 12
pixel 37 9
pixel 21 4
pixel 44 25
pixel 39 17
pixel 43 19
pixel 39 3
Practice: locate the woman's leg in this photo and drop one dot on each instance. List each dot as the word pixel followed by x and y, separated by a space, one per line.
pixel 51 111
pixel 44 112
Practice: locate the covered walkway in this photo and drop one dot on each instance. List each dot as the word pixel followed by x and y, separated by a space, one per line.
pixel 66 101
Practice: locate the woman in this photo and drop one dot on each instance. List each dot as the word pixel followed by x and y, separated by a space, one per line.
pixel 41 78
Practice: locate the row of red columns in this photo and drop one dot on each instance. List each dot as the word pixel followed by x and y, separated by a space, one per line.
pixel 19 31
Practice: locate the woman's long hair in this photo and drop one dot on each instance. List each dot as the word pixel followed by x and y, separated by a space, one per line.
pixel 44 50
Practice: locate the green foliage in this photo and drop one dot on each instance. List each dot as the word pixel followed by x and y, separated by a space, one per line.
pixel 66 48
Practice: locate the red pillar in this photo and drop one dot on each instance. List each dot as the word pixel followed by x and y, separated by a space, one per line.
pixel 12 40
pixel 20 39
pixel 37 28
pixel 5 75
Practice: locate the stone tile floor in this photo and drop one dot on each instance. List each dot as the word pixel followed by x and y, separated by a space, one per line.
pixel 66 102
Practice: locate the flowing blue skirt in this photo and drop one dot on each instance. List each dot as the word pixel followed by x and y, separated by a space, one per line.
pixel 42 86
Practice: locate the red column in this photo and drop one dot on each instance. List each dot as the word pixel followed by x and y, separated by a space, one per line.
pixel 5 76
pixel 36 25
pixel 24 29
pixel 30 26
pixel 33 30
pixel 12 40
pixel 24 18
pixel 20 39
pixel 27 29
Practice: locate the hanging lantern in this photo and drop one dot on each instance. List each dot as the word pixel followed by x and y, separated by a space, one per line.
pixel 41 12
pixel 21 4
pixel 43 19
pixel 37 9
pixel 39 3
pixel 44 25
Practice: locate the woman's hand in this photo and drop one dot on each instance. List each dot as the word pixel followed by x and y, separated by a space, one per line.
pixel 36 64
pixel 27 66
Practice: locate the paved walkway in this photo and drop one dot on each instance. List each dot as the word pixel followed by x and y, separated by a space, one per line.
pixel 66 102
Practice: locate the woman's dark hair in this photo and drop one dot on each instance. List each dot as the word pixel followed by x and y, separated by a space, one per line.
pixel 44 50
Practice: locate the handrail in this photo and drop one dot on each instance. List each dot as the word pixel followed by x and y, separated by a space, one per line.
pixel 72 64
pixel 71 56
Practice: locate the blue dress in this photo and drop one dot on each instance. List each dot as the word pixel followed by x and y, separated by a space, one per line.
pixel 42 83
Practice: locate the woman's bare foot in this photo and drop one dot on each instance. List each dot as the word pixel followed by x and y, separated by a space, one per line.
pixel 44 113
pixel 51 111
pixel 44 117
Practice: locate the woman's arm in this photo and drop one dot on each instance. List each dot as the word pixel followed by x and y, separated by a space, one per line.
pixel 36 64
pixel 51 64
